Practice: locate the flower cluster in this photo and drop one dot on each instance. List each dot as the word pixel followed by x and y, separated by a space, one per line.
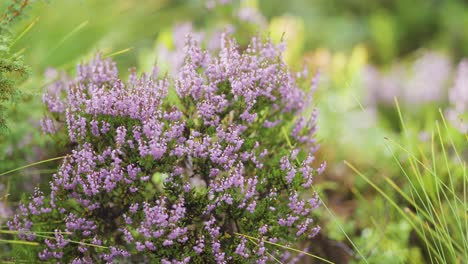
pixel 211 4
pixel 5 211
pixel 425 83
pixel 174 58
pixel 458 97
pixel 178 170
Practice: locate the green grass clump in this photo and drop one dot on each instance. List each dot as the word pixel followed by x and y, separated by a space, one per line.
pixel 431 192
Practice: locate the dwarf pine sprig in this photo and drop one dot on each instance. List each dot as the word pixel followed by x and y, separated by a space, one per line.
pixel 12 69
pixel 174 169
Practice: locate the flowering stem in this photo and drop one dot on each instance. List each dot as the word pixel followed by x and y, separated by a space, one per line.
pixel 43 236
pixel 19 242
pixel 32 164
pixel 26 30
pixel 68 36
pixel 273 257
pixel 286 137
pixel 30 232
pixel 118 52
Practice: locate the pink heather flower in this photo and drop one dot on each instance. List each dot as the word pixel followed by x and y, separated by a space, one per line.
pixel 458 98
pixel 425 83
pixel 428 81
pixel 210 4
pixel 5 211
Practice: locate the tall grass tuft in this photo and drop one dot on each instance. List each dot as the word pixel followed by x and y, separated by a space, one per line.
pixel 433 196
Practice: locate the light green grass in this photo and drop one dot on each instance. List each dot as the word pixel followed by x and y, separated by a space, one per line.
pixel 433 198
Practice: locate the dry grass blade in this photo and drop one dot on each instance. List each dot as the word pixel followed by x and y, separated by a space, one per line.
pixel 286 247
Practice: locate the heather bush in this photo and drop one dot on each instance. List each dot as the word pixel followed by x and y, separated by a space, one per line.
pixel 179 170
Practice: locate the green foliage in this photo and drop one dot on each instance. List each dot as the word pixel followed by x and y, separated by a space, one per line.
pixel 23 254
pixel 12 70
pixel 390 245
